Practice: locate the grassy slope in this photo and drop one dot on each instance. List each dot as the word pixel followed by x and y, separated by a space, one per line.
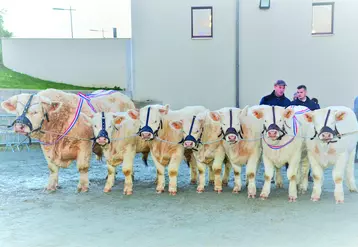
pixel 11 79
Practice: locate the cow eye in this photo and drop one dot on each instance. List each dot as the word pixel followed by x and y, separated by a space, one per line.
pixel 95 126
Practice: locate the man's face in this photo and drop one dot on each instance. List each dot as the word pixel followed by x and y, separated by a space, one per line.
pixel 301 93
pixel 279 90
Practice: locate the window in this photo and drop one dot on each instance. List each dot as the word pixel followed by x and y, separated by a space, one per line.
pixel 264 4
pixel 201 22
pixel 322 18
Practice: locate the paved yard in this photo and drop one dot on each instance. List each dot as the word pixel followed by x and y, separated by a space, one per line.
pixel 33 218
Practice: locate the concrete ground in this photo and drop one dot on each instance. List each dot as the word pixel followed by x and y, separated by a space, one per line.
pixel 30 217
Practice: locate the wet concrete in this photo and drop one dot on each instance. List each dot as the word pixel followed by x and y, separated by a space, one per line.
pixel 33 218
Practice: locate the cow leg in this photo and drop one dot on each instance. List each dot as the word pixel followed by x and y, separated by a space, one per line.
pixel 202 170
pixel 211 175
pixel 317 172
pixel 269 170
pixel 279 179
pixel 217 166
pixel 127 169
pixel 226 176
pixel 237 175
pixel 351 183
pixel 160 175
pixel 251 168
pixel 173 168
pixel 53 178
pixel 338 175
pixel 110 178
pixel 83 164
pixel 303 185
pixel 292 176
pixel 193 170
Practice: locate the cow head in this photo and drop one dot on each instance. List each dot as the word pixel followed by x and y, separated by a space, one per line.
pixel 229 119
pixel 31 111
pixel 324 121
pixel 274 119
pixel 193 128
pixel 151 120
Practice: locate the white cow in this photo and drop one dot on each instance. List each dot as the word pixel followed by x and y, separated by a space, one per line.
pixel 334 144
pixel 115 134
pixel 280 145
pixel 163 128
pixel 242 143
pixel 204 136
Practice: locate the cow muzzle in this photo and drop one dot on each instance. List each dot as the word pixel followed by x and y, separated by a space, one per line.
pixel 189 144
pixel 232 138
pixel 102 138
pixel 147 135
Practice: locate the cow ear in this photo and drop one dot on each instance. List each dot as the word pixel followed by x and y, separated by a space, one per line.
pixel 51 106
pixel 288 113
pixel 177 125
pixel 215 116
pixel 308 117
pixel 133 114
pixel 258 113
pixel 164 110
pixel 340 115
pixel 10 105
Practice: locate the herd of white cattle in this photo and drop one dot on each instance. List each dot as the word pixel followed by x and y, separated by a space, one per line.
pixel 70 127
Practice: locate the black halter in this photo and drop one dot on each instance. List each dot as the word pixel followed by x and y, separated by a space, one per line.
pixel 232 130
pixel 326 129
pixel 274 126
pixel 190 137
pixel 22 119
pixel 147 128
pixel 103 132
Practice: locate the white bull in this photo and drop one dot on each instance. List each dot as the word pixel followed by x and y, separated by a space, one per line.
pixel 334 144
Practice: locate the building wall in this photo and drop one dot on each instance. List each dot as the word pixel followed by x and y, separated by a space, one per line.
pixel 277 44
pixel 170 66
pixel 82 62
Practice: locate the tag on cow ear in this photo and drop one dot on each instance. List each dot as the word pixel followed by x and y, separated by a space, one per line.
pixel 340 115
pixel 55 106
pixel 10 105
pixel 118 120
pixel 177 125
pixel 258 113
pixel 215 116
pixel 133 114
pixel 308 117
pixel 288 113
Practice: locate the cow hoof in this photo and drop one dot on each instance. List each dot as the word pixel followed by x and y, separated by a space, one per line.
pixel 200 190
pixel 106 190
pixel 172 193
pixel 84 189
pixel 236 191
pixel 225 183
pixel 353 190
pixel 193 182
pixel 279 185
pixel 219 191
pixel 263 196
pixel 211 182
pixel 292 199
pixel 253 196
pixel 128 193
pixel 339 201
pixel 315 199
pixel 160 191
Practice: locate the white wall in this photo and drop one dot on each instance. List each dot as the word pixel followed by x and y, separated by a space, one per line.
pixel 277 44
pixel 170 66
pixel 83 62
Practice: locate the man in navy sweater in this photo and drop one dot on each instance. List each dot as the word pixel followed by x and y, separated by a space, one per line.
pixel 277 97
pixel 303 100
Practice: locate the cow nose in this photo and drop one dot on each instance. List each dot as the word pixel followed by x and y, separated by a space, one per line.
pixel 188 144
pixel 272 133
pixel 327 135
pixel 232 137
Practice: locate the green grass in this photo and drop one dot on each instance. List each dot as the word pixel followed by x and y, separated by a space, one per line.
pixel 13 80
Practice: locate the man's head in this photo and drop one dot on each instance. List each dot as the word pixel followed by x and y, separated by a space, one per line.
pixel 280 87
pixel 301 92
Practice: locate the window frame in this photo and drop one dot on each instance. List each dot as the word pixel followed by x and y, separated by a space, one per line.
pixel 332 18
pixel 266 7
pixel 193 8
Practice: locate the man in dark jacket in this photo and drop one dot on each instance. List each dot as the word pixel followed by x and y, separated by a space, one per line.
pixel 277 97
pixel 303 100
